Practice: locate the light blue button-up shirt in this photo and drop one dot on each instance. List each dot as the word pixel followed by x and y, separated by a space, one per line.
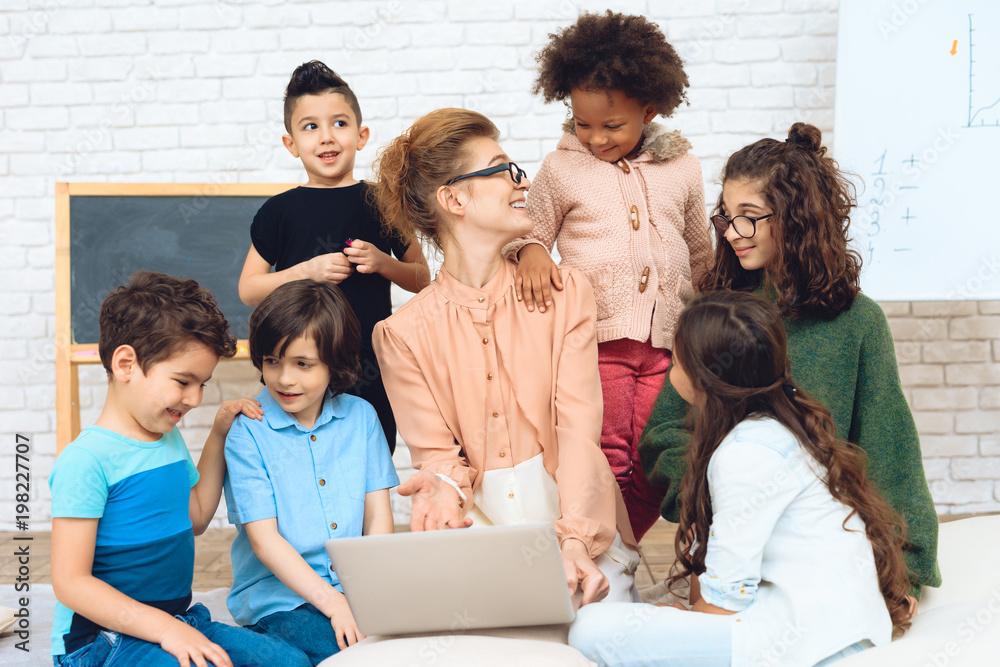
pixel 783 553
pixel 313 481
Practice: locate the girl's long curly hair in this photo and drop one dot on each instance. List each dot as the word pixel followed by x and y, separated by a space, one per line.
pixel 813 272
pixel 732 346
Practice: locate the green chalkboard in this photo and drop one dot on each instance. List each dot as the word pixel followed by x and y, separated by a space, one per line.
pixel 201 237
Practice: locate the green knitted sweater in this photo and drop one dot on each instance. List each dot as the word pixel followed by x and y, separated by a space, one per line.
pixel 849 364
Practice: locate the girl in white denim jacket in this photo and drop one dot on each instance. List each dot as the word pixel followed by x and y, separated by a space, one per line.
pixel 794 557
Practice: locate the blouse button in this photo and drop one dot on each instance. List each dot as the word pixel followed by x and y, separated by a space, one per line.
pixel 510 495
pixel 333 526
pixel 496 414
pixel 313 438
pixel 322 482
pixel 481 299
pixel 486 341
pixel 489 376
pixel 502 453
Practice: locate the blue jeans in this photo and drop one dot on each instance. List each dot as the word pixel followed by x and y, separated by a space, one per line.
pixel 305 627
pixel 245 649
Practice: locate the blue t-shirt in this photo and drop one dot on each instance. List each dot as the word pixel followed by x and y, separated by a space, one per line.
pixel 313 481
pixel 140 493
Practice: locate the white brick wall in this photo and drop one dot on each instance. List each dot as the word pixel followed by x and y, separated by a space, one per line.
pixel 190 90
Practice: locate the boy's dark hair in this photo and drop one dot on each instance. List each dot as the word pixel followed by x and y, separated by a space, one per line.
pixel 158 315
pixel 317 309
pixel 315 78
pixel 612 52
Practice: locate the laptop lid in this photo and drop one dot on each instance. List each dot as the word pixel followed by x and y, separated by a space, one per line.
pixel 453 580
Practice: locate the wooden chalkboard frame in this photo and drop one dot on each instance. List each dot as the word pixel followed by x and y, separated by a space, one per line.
pixel 70 355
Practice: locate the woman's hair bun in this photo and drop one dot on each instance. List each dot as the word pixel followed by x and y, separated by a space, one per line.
pixel 805 135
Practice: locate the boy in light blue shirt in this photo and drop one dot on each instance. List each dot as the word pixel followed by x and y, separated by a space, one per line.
pixel 315 468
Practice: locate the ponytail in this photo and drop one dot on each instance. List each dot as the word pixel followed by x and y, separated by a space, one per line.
pixel 411 168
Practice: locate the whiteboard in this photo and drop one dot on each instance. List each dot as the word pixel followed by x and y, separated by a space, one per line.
pixel 917 120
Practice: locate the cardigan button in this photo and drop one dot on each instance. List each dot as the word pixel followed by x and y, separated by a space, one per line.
pixel 634 215
pixel 489 376
pixel 496 414
pixel 643 280
pixel 502 453
pixel 486 341
pixel 481 299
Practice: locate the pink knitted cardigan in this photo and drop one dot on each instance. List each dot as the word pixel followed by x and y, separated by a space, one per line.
pixel 636 229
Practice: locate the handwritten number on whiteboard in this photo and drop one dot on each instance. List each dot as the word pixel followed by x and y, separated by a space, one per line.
pixel 880 183
pixel 874 227
pixel 880 160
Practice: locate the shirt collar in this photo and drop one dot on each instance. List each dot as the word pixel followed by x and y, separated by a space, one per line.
pixel 278 419
pixel 477 298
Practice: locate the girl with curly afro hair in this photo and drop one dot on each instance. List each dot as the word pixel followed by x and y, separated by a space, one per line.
pixel 622 197
pixel 782 230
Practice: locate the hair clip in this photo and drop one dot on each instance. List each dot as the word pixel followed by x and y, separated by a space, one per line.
pixel 789 390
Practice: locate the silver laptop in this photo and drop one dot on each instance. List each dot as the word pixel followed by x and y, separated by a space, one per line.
pixel 454 580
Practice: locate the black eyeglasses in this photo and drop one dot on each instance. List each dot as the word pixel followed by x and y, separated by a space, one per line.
pixel 744 225
pixel 515 172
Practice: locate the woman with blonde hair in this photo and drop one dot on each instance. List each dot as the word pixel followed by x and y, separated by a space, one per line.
pixel 500 407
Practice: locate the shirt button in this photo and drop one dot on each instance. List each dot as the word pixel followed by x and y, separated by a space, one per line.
pixel 486 341
pixel 313 438
pixel 333 526
pixel 489 376
pixel 502 453
pixel 496 414
pixel 481 299
pixel 510 495
pixel 322 482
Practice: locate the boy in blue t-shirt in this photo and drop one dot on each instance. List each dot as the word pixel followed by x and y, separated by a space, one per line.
pixel 125 493
pixel 329 229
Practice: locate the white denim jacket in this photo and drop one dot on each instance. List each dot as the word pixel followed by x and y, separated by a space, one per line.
pixel 779 555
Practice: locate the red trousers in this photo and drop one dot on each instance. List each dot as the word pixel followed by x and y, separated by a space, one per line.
pixel 631 376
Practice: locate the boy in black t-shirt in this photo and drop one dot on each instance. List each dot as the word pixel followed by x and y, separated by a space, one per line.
pixel 329 229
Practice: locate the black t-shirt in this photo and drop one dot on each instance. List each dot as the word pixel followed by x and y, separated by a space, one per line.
pixel 300 224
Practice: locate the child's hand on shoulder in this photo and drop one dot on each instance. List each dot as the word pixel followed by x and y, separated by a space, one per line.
pixel 535 277
pixel 191 647
pixel 333 267
pixel 345 628
pixel 366 256
pixel 228 411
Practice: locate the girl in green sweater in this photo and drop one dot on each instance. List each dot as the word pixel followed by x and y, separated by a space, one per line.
pixel 782 230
